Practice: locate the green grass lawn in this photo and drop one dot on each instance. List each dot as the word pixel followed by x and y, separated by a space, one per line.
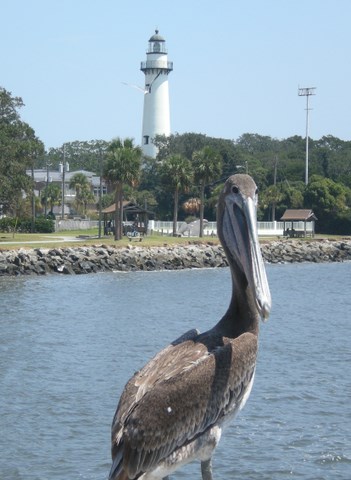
pixel 10 241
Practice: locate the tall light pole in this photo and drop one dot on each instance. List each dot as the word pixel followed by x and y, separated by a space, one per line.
pixel 306 92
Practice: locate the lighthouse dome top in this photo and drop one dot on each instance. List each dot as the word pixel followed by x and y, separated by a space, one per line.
pixel 156 37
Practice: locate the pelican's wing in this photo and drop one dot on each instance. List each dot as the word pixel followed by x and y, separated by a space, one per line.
pixel 168 362
pixel 197 388
pixel 176 356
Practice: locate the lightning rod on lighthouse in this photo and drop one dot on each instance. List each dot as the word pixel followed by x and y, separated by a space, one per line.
pixel 156 114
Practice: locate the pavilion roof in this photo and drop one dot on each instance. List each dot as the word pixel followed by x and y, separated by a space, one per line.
pixel 128 207
pixel 298 215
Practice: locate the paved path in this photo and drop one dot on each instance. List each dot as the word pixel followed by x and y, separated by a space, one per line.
pixel 52 240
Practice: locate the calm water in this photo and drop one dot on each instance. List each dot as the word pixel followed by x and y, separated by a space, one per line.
pixel 68 344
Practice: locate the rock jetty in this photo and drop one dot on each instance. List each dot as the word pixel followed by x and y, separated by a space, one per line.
pixel 102 258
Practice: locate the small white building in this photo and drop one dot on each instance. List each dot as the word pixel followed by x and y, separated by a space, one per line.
pixel 156 114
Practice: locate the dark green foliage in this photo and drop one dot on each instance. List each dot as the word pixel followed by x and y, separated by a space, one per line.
pixel 7 224
pixel 44 225
pixel 24 225
pixel 330 202
pixel 84 155
pixel 278 167
pixel 19 150
pixel 335 225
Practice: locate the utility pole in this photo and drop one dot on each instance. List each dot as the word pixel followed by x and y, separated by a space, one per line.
pixel 275 184
pixel 306 92
pixel 100 192
pixel 64 167
pixel 63 183
pixel 32 227
pixel 47 188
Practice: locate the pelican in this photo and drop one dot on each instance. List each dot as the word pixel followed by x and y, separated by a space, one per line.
pixel 174 409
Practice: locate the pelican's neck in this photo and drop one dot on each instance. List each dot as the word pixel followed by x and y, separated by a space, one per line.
pixel 241 315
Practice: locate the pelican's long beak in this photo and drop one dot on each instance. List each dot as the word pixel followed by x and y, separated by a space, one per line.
pixel 239 231
pixel 253 261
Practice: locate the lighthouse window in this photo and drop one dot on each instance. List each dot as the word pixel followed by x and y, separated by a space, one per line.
pixel 157 47
pixel 146 139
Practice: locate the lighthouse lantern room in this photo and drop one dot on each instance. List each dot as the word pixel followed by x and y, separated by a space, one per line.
pixel 156 115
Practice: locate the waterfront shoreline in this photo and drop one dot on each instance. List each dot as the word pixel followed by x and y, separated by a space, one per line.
pixel 103 258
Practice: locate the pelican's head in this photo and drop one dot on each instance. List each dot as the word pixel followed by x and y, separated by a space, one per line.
pixel 237 230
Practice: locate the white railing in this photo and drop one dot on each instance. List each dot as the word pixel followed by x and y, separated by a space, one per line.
pixel 72 224
pixel 210 228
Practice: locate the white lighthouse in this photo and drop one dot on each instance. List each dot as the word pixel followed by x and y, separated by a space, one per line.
pixel 156 117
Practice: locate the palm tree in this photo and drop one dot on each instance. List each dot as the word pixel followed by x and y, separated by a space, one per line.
pixel 176 172
pixel 122 167
pixel 52 195
pixel 271 197
pixel 84 195
pixel 207 164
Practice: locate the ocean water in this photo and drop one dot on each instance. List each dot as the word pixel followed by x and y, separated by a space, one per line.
pixel 68 344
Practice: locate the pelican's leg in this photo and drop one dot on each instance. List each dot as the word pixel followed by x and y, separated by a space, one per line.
pixel 206 469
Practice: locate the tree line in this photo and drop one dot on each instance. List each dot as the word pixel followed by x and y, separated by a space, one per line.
pixel 278 167
pixel 185 178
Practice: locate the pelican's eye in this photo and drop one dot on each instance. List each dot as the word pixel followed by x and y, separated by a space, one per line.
pixel 235 189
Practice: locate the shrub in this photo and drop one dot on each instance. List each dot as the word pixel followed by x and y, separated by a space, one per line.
pixel 44 225
pixel 24 225
pixel 336 225
pixel 7 224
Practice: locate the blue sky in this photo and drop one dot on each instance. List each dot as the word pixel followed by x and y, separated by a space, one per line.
pixel 237 65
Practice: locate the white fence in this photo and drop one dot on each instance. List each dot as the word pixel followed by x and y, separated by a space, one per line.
pixel 61 225
pixel 210 228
